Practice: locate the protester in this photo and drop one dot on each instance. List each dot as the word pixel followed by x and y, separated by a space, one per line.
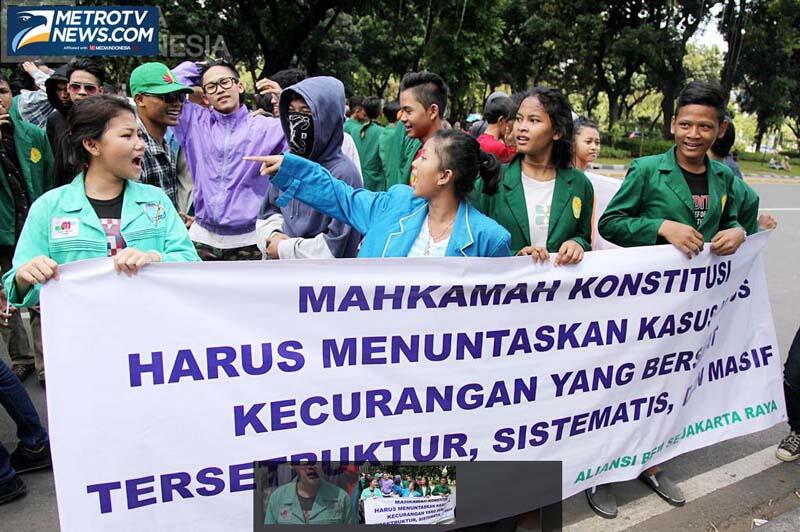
pixel 431 219
pixel 423 101
pixel 355 114
pixel 544 203
pixel 681 197
pixel 104 212
pixel 747 199
pixel 27 171
pixel 367 138
pixel 411 490
pixel 309 500
pixel 390 112
pixel 387 483
pixel 586 147
pixel 35 106
pixel 216 130
pixel 789 447
pixel 293 76
pixel 85 78
pixel 372 491
pixel 424 488
pixel 159 102
pixel 33 450
pixel 311 115
pixel 478 127
pixel 499 115
pixel 442 488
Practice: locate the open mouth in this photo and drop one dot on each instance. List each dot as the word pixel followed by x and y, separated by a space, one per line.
pixel 174 113
pixel 137 162
pixel 522 140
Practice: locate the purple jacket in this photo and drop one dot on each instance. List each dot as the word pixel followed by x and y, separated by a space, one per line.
pixel 228 191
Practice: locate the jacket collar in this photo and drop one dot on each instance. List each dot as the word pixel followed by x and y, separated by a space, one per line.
pixel 461 236
pixel 134 203
pixel 675 180
pixel 231 118
pixel 515 196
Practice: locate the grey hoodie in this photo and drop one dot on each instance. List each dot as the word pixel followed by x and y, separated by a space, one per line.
pixel 325 97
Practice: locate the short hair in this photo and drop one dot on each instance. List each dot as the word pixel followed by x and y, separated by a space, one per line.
pixel 372 106
pixel 88 119
pixel 428 88
pixel 355 101
pixel 500 107
pixel 722 146
pixel 91 65
pixel 390 111
pixel 288 77
pixel 582 122
pixel 703 93
pixel 218 62
pixel 558 109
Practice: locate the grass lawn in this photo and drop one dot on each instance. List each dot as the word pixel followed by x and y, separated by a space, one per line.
pixel 748 167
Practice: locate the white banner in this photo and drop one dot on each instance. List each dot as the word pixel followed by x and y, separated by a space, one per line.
pixel 165 387
pixel 408 510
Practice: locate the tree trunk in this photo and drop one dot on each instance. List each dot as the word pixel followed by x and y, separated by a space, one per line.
pixel 613 110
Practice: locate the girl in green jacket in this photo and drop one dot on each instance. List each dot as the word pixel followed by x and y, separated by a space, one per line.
pixel 104 212
pixel 543 202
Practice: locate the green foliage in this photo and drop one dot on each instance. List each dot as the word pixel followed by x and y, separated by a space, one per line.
pixel 615 153
pixel 648 146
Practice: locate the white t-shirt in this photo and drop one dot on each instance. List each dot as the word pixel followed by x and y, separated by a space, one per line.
pixel 538 199
pixel 604 189
pixel 424 246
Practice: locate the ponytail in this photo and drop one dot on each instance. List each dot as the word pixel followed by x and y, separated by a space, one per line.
pixel 490 173
pixel 462 154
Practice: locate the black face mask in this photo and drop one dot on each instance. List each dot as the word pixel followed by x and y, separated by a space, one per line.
pixel 301 133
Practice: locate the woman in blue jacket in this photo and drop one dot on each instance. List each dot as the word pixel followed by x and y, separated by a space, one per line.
pixel 104 212
pixel 431 218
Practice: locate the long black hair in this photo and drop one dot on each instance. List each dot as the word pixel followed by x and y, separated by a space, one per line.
pixel 88 119
pixel 560 112
pixel 462 154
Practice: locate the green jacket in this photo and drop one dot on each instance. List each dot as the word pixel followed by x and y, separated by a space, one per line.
pixel 655 190
pixel 63 225
pixel 37 168
pixel 351 127
pixel 367 141
pixel 570 211
pixel 400 151
pixel 747 201
pixel 331 506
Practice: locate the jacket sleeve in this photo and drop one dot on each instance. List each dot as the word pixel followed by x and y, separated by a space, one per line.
pixel 747 202
pixel 188 74
pixel 584 231
pixel 33 242
pixel 621 223
pixel 312 184
pixel 49 169
pixel 178 247
pixel 729 218
pixel 503 248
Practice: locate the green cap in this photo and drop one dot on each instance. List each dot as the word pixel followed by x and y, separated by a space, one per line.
pixel 155 78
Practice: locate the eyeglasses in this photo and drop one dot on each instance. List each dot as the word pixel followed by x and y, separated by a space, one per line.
pixel 223 83
pixel 170 97
pixel 89 88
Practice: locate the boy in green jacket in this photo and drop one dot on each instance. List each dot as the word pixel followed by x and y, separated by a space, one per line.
pixel 27 171
pixel 681 197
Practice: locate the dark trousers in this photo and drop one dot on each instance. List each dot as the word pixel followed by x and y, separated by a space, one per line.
pixel 791 383
pixel 17 402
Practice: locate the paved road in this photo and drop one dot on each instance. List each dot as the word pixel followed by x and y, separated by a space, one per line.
pixel 727 485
